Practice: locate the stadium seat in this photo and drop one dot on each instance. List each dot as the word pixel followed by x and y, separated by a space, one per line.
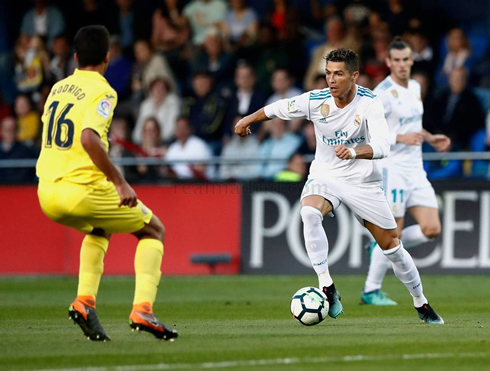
pixel 211 260
pixel 478 143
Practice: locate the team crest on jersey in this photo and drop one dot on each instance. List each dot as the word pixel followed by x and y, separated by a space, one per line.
pixel 394 93
pixel 104 108
pixel 291 105
pixel 357 121
pixel 325 110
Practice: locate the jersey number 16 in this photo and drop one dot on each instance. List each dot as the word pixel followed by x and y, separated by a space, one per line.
pixel 62 127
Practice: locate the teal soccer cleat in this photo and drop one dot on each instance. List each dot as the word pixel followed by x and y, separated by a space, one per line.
pixel 335 306
pixel 429 315
pixel 376 297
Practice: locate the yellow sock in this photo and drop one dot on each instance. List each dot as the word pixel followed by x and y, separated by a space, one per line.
pixel 147 263
pixel 91 264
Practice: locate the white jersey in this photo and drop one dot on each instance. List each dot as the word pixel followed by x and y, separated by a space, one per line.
pixel 403 111
pixel 361 122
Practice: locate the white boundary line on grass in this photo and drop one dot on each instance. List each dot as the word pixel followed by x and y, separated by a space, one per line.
pixel 277 361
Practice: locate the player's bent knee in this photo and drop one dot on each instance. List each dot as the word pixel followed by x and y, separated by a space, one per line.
pixel 311 215
pixel 431 231
pixel 154 230
pixel 389 243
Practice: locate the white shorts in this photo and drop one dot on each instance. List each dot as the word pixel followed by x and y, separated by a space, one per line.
pixel 405 189
pixel 367 201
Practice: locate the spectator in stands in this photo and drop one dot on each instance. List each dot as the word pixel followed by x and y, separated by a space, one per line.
pixel 335 38
pixel 120 146
pixel 11 149
pixel 189 147
pixel 246 99
pixel 423 54
pixel 62 64
pixel 130 25
pixel 456 112
pixel 240 25
pixel 118 72
pixel 149 66
pixel 5 110
pixel 203 14
pixel 482 70
pixel 29 71
pixel 43 20
pixel 236 149
pixel 90 12
pixel 365 81
pixel 284 18
pixel 423 79
pixel 28 121
pixel 401 15
pixel 43 96
pixel 458 54
pixel 266 55
pixel 296 170
pixel 308 147
pixel 151 145
pixel 213 58
pixel 320 82
pixel 280 145
pixel 163 105
pixel 171 30
pixel 375 64
pixel 206 111
pixel 283 86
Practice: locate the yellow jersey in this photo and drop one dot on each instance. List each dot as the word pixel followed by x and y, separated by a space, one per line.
pixel 82 100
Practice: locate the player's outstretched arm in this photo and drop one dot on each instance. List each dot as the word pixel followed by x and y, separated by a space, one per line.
pixel 242 128
pixel 440 142
pixel 94 147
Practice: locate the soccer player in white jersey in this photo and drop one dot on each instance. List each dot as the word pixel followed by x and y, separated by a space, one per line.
pixel 350 130
pixel 404 179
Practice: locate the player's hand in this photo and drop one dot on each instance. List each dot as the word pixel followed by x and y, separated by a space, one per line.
pixel 411 139
pixel 342 152
pixel 242 128
pixel 440 142
pixel 127 195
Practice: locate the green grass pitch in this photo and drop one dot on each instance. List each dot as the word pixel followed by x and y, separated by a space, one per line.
pixel 243 322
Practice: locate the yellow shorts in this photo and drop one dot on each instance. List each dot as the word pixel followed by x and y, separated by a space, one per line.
pixel 85 207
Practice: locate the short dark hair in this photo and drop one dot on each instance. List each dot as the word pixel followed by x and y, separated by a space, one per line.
pixel 349 57
pixel 91 45
pixel 398 44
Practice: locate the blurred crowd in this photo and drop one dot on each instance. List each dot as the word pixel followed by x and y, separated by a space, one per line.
pixel 187 71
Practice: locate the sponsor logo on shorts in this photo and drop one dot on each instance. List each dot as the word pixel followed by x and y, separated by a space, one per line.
pixel 144 209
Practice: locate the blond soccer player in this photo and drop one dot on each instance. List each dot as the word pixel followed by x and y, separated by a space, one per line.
pixel 80 187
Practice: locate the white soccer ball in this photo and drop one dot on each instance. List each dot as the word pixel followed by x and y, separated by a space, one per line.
pixel 309 306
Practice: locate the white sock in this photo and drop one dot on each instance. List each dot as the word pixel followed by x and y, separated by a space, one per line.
pixel 413 236
pixel 316 243
pixel 377 269
pixel 407 273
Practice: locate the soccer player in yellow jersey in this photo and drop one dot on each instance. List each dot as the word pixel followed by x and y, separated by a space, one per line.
pixel 80 187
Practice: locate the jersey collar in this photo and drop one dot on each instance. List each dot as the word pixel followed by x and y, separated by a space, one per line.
pixel 89 74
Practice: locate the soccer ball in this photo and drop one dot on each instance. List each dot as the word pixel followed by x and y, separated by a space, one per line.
pixel 309 306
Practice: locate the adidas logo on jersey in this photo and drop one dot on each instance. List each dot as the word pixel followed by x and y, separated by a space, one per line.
pixel 323 120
